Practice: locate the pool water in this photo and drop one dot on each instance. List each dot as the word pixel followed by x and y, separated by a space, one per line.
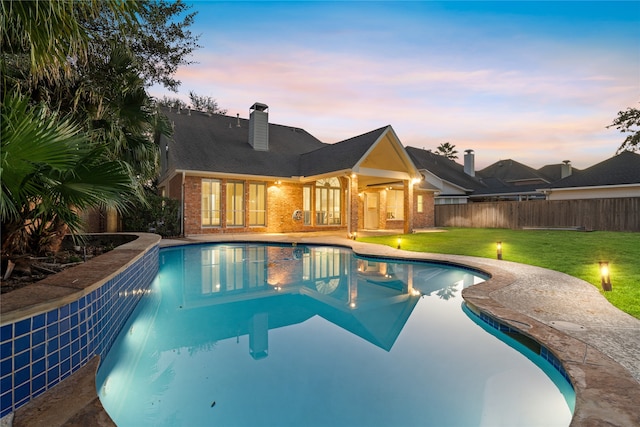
pixel 252 334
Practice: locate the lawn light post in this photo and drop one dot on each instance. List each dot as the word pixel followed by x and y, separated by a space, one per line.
pixel 605 279
pixel 499 250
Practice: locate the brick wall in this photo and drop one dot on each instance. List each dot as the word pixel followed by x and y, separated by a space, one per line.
pixel 282 200
pixel 425 219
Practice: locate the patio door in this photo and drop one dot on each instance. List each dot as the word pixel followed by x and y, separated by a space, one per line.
pixel 371 210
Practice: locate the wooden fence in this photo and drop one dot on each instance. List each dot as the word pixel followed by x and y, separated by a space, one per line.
pixel 621 214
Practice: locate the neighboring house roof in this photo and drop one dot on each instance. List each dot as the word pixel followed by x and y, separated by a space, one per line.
pixel 621 169
pixel 512 172
pixel 444 168
pixel 554 172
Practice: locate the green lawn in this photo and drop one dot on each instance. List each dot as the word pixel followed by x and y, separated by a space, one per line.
pixel 572 252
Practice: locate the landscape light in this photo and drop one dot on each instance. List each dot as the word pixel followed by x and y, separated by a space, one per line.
pixel 605 278
pixel 499 249
pixel 399 242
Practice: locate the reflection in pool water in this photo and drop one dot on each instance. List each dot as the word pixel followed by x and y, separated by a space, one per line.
pixel 249 334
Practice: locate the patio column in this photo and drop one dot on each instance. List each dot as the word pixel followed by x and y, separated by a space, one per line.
pixel 352 207
pixel 408 206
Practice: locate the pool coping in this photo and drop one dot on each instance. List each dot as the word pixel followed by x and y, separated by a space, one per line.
pixel 599 351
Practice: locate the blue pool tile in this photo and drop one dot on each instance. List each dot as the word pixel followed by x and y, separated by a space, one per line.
pixel 75 361
pixel 64 311
pixel 6 349
pixel 65 352
pixel 38 368
pixel 75 333
pixel 38 337
pixel 21 393
pixel 75 346
pixel 52 345
pixel 65 339
pixel 21 344
pixel 22 376
pixel 53 359
pixel 52 317
pixel 6 402
pixel 53 330
pixel 39 383
pixel 22 327
pixel 53 375
pixel 65 324
pixel 38 321
pixel 65 368
pixel 21 360
pixel 6 382
pixel 38 352
pixel 6 367
pixel 73 308
pixel 6 332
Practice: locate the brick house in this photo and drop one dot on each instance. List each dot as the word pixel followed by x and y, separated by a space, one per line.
pixel 238 175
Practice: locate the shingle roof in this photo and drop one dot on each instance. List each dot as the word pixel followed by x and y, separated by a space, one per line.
pixel 341 155
pixel 219 143
pixel 443 168
pixel 618 170
pixel 216 143
pixel 510 171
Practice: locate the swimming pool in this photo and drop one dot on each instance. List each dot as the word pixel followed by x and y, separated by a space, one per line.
pixel 248 334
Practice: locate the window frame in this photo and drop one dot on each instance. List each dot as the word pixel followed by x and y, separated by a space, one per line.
pixel 213 203
pixel 253 206
pixel 395 205
pixel 328 197
pixel 233 212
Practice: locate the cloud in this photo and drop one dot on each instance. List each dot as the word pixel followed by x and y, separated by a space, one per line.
pixel 533 100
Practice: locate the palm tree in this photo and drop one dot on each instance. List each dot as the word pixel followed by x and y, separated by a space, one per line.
pixel 99 152
pixel 447 150
pixel 49 172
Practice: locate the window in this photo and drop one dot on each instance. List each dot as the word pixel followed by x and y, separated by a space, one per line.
pixel 420 203
pixel 395 204
pixel 258 204
pixel 210 202
pixel 306 204
pixel 235 203
pixel 328 202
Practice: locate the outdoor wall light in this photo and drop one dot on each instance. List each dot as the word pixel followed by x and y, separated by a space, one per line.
pixel 499 249
pixel 399 242
pixel 605 279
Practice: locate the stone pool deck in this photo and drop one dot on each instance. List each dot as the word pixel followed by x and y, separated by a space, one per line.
pixel 598 345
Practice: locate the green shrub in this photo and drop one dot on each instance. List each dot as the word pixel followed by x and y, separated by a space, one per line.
pixel 161 216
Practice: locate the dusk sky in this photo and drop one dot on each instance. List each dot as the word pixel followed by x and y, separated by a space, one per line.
pixel 537 82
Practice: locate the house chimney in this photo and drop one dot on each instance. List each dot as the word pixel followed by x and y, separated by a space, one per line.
pixel 469 163
pixel 565 169
pixel 259 127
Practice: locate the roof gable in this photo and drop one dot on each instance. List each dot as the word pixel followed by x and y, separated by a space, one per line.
pixel 511 171
pixel 378 152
